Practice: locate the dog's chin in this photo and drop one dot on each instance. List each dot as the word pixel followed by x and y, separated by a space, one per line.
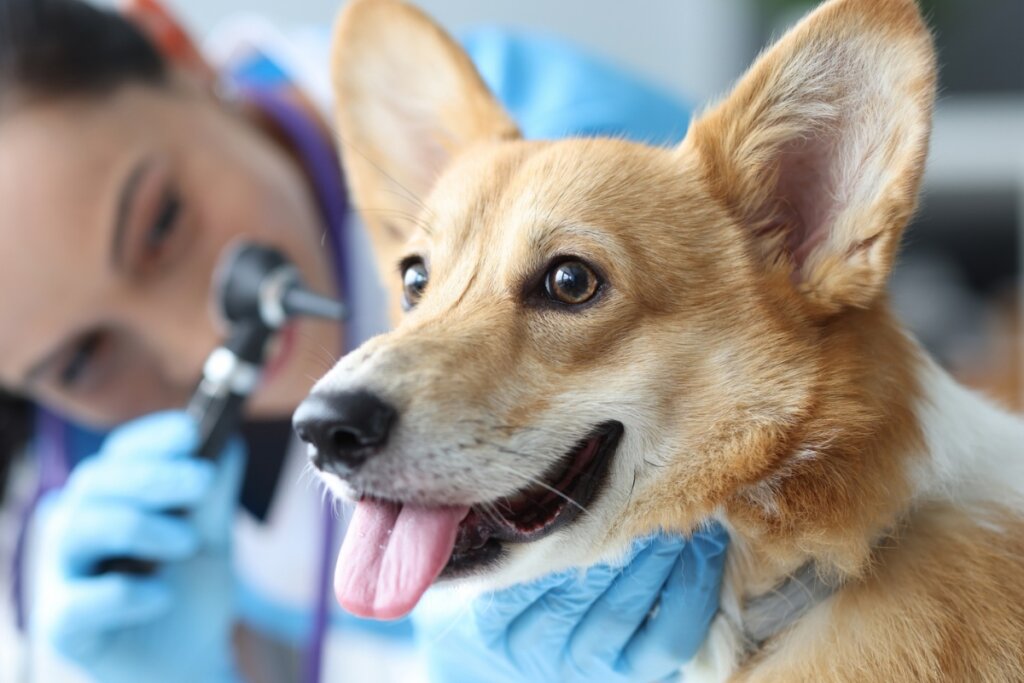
pixel 494 529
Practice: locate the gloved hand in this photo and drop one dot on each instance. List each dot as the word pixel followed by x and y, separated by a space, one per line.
pixel 175 624
pixel 637 622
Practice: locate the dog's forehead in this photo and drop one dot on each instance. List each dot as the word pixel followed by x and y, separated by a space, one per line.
pixel 516 198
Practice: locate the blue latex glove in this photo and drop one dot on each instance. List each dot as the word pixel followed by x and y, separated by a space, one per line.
pixel 174 625
pixel 638 622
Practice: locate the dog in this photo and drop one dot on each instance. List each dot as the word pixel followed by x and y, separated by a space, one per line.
pixel 597 339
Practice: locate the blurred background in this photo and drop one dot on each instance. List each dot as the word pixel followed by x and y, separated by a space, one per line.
pixel 959 280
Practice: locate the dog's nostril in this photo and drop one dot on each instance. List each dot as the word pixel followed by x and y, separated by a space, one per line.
pixel 342 439
pixel 345 428
pixel 303 432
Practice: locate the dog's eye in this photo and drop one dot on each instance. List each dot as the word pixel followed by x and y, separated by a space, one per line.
pixel 414 281
pixel 571 282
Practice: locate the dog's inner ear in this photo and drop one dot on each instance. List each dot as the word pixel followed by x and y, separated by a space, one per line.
pixel 819 151
pixel 408 99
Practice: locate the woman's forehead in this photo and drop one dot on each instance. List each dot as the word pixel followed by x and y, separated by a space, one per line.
pixel 58 177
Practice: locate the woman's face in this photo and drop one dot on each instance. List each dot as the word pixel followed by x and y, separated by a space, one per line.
pixel 113 214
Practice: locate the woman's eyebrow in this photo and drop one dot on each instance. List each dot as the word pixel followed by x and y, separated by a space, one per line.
pixel 124 204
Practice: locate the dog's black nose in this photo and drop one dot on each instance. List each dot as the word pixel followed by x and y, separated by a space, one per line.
pixel 346 429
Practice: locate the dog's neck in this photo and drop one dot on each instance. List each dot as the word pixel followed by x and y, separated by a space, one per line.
pixel 941 445
pixel 890 430
pixel 843 481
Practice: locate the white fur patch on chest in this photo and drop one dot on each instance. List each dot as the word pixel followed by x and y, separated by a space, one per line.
pixel 974 450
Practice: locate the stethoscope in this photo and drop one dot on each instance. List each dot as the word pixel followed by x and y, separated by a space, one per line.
pixel 257 292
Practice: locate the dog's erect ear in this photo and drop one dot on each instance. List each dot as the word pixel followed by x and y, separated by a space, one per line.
pixel 820 148
pixel 408 100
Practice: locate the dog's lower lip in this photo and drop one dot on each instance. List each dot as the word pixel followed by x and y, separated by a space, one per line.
pixel 481 535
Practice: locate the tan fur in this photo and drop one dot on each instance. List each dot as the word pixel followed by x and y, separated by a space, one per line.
pixel 938 605
pixel 744 341
pixel 838 63
pixel 451 108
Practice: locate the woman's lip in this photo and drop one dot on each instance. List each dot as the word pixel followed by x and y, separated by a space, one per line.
pixel 281 350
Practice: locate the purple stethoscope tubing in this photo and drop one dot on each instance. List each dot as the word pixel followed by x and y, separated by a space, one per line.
pixel 51 453
pixel 329 186
pixel 51 430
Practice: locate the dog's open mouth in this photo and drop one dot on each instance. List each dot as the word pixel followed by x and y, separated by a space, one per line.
pixel 393 552
pixel 538 510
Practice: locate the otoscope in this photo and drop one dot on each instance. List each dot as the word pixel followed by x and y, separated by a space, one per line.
pixel 258 291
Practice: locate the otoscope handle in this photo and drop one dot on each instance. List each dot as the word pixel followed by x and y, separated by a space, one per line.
pixel 218 421
pixel 258 290
pixel 229 376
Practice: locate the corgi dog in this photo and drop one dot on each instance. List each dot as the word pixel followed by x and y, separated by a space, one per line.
pixel 598 339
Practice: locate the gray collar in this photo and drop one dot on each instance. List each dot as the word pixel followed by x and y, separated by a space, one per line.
pixel 767 615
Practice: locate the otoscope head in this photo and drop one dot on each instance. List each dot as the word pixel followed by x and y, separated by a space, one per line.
pixel 257 284
pixel 240 280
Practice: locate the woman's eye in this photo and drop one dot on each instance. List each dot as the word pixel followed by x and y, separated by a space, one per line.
pixel 165 222
pixel 414 281
pixel 81 359
pixel 571 282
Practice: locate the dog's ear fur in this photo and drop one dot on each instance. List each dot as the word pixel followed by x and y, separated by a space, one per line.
pixel 819 150
pixel 408 99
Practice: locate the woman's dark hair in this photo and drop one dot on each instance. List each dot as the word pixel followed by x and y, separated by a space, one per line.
pixel 56 48
pixel 69 47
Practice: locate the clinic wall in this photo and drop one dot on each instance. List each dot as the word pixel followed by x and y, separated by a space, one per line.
pixel 694 47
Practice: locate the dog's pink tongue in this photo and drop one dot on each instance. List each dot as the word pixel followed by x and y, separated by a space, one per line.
pixel 391 555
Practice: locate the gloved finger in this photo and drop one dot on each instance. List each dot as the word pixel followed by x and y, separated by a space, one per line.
pixel 152 485
pixel 91 607
pixel 102 531
pixel 615 617
pixel 553 616
pixel 214 517
pixel 502 606
pixel 494 612
pixel 675 631
pixel 165 435
pixel 498 611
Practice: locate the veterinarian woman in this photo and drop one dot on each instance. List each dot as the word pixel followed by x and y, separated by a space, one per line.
pixel 128 162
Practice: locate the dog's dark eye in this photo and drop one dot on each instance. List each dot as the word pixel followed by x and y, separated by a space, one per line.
pixel 571 282
pixel 414 281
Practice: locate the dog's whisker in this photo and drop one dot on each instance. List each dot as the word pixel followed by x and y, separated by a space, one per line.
pixel 503 504
pixel 335 505
pixel 508 428
pixel 406 192
pixel 308 476
pixel 632 486
pixel 321 356
pixel 405 215
pixel 318 345
pixel 489 513
pixel 322 360
pixel 539 482
pixel 504 450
